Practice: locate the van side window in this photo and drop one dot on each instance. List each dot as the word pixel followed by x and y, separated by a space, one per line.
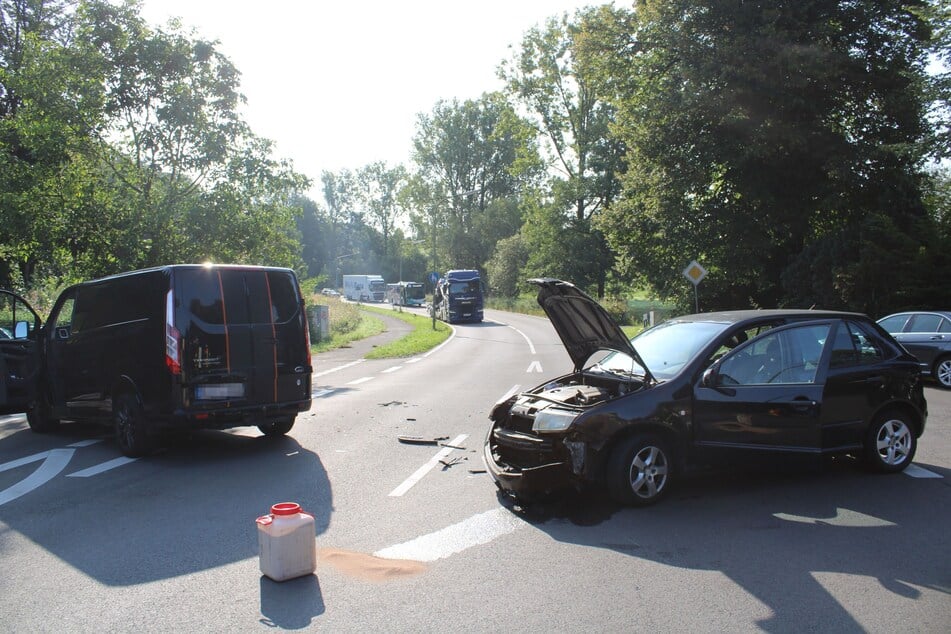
pixel 284 303
pixel 62 326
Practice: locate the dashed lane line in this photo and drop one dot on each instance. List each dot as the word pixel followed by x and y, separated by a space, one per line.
pixel 103 467
pixel 411 481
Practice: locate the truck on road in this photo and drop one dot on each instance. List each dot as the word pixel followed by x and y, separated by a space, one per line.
pixel 458 297
pixel 364 288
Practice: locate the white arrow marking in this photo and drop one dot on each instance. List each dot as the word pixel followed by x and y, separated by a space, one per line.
pixel 99 468
pixel 535 366
pixel 843 517
pixel 54 461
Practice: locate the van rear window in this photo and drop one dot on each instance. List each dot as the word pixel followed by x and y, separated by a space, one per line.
pixel 237 296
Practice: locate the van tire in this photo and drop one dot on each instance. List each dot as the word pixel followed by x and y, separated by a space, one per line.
pixel 131 431
pixel 277 427
pixel 38 417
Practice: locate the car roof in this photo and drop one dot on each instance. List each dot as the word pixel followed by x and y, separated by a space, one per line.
pixel 739 316
pixel 943 313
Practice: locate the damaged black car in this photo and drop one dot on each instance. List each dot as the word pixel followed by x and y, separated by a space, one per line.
pixel 635 413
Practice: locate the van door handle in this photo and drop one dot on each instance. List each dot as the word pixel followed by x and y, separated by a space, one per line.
pixel 300 369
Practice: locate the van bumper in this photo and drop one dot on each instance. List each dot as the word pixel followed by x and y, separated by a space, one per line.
pixel 225 417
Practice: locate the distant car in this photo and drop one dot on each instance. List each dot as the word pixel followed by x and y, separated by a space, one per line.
pixel 927 335
pixel 330 292
pixel 698 387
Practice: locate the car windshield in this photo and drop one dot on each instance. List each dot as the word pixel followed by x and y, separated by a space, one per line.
pixel 665 348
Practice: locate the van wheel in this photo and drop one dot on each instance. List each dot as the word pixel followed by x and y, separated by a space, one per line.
pixel 278 427
pixel 38 416
pixel 130 426
pixel 640 470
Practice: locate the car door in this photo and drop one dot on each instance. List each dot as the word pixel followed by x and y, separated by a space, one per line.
pixel 765 394
pixel 19 354
pixel 926 335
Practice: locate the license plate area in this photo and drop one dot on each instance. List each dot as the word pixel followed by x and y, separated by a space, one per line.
pixel 219 391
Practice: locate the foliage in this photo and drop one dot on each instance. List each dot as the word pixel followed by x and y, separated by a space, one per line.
pixel 759 138
pixel 503 270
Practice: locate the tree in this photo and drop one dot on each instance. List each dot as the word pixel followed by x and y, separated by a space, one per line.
pixel 379 188
pixel 504 269
pixel 760 135
pixel 546 77
pixel 468 156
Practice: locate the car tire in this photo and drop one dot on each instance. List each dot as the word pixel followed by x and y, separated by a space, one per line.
pixel 942 372
pixel 38 417
pixel 640 470
pixel 278 427
pixel 890 443
pixel 131 429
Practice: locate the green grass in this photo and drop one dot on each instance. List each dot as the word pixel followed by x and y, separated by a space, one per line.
pixel 366 326
pixel 421 339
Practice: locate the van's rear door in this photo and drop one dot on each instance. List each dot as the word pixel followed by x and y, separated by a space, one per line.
pixel 243 335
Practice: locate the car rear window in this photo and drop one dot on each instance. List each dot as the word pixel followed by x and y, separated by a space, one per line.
pixel 237 296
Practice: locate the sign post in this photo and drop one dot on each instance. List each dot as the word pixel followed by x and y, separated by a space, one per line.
pixel 694 272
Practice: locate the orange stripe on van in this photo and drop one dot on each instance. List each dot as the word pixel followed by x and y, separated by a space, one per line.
pixel 270 306
pixel 224 317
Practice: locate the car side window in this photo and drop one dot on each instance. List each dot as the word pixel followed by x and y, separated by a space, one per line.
pixel 925 322
pixel 62 324
pixel 853 347
pixel 789 356
pixel 14 313
pixel 895 323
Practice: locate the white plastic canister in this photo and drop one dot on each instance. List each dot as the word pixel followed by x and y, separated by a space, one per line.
pixel 287 542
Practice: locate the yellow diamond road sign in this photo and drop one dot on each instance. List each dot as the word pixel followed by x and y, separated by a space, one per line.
pixel 694 272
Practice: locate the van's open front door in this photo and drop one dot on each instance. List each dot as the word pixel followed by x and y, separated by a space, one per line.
pixel 19 353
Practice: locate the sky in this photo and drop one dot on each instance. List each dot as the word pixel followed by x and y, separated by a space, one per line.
pixel 340 84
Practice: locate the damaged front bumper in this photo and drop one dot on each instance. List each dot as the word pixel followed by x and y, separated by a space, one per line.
pixel 543 473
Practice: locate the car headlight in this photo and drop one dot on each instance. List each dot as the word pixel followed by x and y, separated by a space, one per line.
pixel 551 419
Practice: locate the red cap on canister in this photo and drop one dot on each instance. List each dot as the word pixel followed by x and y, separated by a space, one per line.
pixel 285 508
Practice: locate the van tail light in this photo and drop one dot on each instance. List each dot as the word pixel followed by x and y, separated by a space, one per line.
pixel 303 312
pixel 173 338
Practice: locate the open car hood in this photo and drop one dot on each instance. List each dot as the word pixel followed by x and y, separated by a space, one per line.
pixel 582 323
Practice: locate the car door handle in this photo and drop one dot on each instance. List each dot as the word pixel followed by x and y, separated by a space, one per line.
pixel 937 338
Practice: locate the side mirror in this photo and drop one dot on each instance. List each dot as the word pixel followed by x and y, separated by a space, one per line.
pixel 21 330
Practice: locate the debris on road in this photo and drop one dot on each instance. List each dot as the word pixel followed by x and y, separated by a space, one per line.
pixel 420 440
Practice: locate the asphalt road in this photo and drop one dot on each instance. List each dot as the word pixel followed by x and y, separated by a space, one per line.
pixel 413 537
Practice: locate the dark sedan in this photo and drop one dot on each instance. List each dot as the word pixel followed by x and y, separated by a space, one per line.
pixel 927 335
pixel 634 413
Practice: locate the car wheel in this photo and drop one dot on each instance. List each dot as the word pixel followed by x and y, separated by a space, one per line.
pixel 38 417
pixel 890 444
pixel 132 433
pixel 942 372
pixel 277 428
pixel 640 470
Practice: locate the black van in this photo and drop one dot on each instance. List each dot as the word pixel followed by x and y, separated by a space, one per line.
pixel 177 347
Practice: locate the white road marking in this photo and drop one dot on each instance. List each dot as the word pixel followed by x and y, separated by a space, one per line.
pixel 54 461
pixel 531 346
pixel 339 367
pixel 360 380
pixel 426 468
pixel 414 360
pixel 100 468
pixel 843 517
pixel 393 369
pixel 512 391
pixel 920 472
pixel 86 443
pixel 535 366
pixel 475 531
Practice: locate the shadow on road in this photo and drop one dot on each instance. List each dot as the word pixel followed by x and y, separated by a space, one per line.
pixel 773 531
pixel 188 509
